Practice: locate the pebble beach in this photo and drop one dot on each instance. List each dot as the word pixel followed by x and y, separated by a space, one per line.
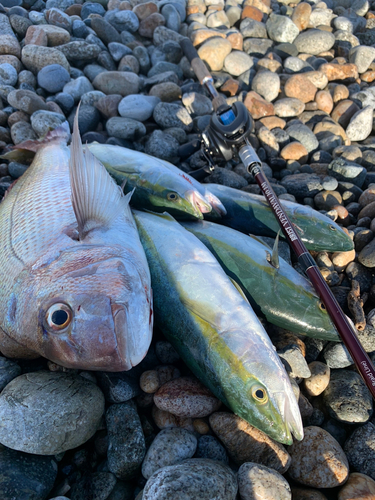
pixel 306 73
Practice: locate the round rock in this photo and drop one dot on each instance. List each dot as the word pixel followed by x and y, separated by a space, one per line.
pixel 8 75
pixel 44 121
pixel 347 397
pixel 360 125
pixel 168 448
pixel 25 476
pixel 186 397
pixel 117 82
pixel 360 449
pixel 318 460
pixel 214 51
pixel 169 115
pixel 266 84
pixel 313 41
pixel 281 29
pixel 193 478
pixel 245 443
pixel 47 413
pixel 257 482
pixel 357 486
pixel 138 107
pixel 53 77
pixel 125 128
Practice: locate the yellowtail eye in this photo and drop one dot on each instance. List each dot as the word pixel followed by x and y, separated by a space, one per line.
pixel 172 196
pixel 322 307
pixel 259 394
pixel 59 316
pixel 332 228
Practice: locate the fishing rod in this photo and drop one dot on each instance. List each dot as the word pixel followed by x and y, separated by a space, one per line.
pixel 227 135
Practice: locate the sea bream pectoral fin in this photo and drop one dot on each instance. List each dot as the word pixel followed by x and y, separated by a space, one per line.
pixel 95 195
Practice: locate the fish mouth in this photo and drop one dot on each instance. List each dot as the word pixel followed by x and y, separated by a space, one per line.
pixel 291 417
pixel 199 203
pixel 215 203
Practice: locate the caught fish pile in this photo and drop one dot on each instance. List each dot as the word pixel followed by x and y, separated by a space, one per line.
pixel 76 286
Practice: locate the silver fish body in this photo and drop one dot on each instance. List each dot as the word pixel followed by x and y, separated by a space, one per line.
pixel 75 284
pixel 215 330
pixel 158 185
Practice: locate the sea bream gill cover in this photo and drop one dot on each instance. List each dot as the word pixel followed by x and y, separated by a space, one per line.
pixel 75 284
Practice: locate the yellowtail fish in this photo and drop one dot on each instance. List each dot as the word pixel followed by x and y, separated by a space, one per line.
pixel 215 330
pixel 158 185
pixel 75 284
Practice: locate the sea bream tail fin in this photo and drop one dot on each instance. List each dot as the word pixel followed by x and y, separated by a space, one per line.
pixel 97 200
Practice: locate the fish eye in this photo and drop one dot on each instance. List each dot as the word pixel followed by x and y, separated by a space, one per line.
pixel 322 307
pixel 172 196
pixel 59 316
pixel 332 228
pixel 259 394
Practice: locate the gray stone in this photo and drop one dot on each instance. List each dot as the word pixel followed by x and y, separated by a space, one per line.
pixel 123 20
pixel 238 62
pixel 313 41
pixel 26 100
pixel 126 442
pixel 8 75
pixel 143 58
pixel 253 29
pixel 347 398
pixel 168 448
pixel 96 485
pixel 25 476
pixel 91 8
pixel 288 107
pixel 16 169
pixel 47 413
pixel 226 178
pixel 303 134
pixel 88 118
pixel 172 115
pixel 138 107
pixel 258 481
pixel 336 355
pixel 162 145
pixel 9 370
pixel 210 447
pixel 346 171
pixel 266 84
pixel 44 121
pixel 52 78
pixel 118 50
pixel 296 65
pixel 117 82
pixel 362 57
pixel 197 104
pixel 163 67
pixel 257 47
pixel 281 29
pixel 125 128
pixel 193 478
pixel 80 51
pixel 105 31
pixel 22 131
pixel 360 125
pixel 118 387
pixel 76 88
pixel 360 450
pixel 302 185
pixel 172 17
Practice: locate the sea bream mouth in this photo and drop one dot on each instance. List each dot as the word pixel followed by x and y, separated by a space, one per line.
pixel 199 203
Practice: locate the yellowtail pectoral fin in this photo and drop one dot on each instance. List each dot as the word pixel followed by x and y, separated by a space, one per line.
pixel 96 198
pixel 239 289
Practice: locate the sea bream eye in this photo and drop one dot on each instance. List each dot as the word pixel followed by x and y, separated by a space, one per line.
pixel 172 196
pixel 259 394
pixel 59 316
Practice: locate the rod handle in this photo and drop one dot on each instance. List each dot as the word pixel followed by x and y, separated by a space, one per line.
pixel 196 62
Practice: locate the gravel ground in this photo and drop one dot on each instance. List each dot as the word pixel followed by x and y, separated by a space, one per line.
pixel 305 71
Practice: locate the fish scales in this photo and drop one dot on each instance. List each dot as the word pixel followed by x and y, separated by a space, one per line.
pixel 214 328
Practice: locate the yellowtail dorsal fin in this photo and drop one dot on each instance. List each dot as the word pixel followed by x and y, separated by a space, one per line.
pixel 239 289
pixel 259 240
pixel 96 198
pixel 274 258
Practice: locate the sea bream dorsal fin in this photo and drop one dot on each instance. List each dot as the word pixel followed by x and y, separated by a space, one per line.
pixel 96 198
